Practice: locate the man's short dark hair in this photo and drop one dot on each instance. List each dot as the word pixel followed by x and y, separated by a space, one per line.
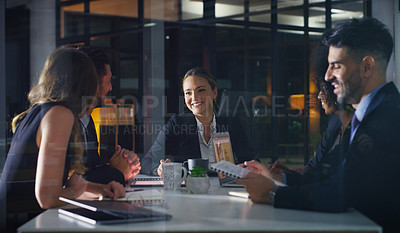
pixel 99 58
pixel 366 36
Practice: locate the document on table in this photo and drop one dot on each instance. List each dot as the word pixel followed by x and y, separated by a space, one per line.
pixel 140 195
pixel 241 194
pixel 235 171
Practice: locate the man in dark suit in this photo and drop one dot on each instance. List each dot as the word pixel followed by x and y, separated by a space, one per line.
pixel 367 179
pixel 124 165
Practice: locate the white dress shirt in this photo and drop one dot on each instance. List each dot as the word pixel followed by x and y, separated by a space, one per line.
pixel 206 148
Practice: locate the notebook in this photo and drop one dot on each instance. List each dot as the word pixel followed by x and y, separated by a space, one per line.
pixel 140 194
pixel 235 171
pixel 110 212
pixel 145 197
pixel 143 180
pixel 223 152
pixel 241 194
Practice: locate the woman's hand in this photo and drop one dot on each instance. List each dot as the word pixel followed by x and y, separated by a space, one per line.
pixel 159 169
pixel 134 162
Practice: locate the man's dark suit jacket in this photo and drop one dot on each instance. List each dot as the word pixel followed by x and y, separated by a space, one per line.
pixel 179 141
pixel 328 141
pixel 98 171
pixel 327 157
pixel 368 179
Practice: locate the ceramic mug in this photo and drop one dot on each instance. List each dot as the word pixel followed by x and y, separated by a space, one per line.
pixel 172 175
pixel 190 163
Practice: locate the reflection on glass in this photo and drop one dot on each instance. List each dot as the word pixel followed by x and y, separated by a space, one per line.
pixel 128 78
pixel 192 9
pixel 289 3
pixel 229 8
pixel 103 42
pixel 102 14
pixel 126 8
pixel 261 18
pixel 346 10
pixel 70 25
pixel 100 24
pixel 259 5
pixel 161 10
pixel 316 16
pixel 243 57
pixel 291 81
pixel 291 17
pixel 291 12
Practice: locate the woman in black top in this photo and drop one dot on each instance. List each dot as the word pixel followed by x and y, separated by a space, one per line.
pixel 188 135
pixel 45 158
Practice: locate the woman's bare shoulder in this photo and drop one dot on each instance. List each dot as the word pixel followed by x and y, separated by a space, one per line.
pixel 59 115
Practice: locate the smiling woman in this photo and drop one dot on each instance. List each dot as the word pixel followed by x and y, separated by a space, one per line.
pixel 188 135
pixel 201 92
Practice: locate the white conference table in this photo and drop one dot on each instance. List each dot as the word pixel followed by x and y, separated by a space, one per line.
pixel 214 212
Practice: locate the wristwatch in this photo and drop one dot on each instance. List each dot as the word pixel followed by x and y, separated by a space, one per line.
pixel 271 195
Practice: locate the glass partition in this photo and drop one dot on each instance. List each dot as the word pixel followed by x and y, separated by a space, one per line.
pixel 192 9
pixel 342 10
pixel 268 82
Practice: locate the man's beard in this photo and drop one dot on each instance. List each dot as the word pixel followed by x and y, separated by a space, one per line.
pixel 349 96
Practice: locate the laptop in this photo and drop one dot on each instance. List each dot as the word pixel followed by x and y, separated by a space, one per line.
pixel 110 212
pixel 223 151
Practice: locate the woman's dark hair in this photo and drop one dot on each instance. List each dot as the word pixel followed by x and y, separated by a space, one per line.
pixel 320 65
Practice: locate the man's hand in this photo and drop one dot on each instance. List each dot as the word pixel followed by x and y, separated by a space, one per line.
pixel 113 189
pixel 257 168
pixel 258 187
pixel 77 183
pixel 278 167
pixel 126 161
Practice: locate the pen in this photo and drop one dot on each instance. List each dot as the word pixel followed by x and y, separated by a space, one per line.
pixel 133 189
pixel 281 167
pixel 136 190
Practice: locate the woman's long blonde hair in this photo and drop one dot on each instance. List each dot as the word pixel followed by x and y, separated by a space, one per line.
pixel 68 76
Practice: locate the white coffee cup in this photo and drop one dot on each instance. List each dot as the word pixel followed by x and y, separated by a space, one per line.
pixel 172 175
